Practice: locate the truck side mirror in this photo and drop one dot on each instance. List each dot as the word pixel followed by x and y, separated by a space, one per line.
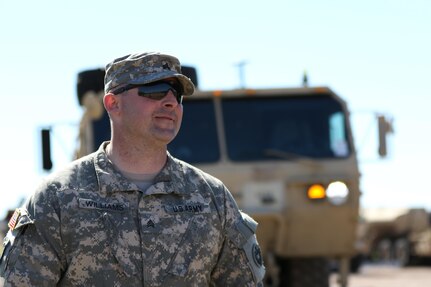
pixel 46 149
pixel 385 128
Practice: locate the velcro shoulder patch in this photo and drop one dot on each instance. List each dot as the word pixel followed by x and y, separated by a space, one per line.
pixel 19 218
pixel 244 237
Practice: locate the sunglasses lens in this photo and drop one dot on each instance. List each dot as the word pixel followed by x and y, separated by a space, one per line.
pixel 158 91
pixel 154 96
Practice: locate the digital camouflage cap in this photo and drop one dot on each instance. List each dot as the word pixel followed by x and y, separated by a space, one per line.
pixel 144 68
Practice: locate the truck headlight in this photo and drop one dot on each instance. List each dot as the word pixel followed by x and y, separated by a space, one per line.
pixel 337 192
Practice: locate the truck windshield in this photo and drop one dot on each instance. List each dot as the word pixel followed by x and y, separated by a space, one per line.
pixel 267 128
pixel 263 128
pixel 197 140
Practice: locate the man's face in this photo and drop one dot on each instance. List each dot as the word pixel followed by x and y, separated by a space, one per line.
pixel 146 119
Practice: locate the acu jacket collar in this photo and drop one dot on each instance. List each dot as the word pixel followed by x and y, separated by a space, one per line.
pixel 170 179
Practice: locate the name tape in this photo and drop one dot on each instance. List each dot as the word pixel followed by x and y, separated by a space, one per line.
pixel 188 208
pixel 103 205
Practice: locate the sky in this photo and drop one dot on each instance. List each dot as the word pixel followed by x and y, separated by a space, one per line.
pixel 375 54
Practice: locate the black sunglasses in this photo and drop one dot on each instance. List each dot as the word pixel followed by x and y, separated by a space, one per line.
pixel 155 91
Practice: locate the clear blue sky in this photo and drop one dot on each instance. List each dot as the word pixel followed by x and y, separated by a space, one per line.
pixel 375 54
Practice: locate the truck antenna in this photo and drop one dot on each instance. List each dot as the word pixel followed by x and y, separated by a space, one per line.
pixel 305 79
pixel 240 66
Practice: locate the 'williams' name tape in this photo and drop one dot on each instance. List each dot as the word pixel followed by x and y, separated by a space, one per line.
pixel 103 205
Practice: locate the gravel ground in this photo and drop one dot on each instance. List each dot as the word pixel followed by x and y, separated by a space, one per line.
pixel 389 276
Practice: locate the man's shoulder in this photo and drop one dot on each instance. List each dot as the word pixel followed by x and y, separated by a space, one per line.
pixel 192 171
pixel 72 175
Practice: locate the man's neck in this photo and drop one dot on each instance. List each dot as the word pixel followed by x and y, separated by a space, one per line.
pixel 136 159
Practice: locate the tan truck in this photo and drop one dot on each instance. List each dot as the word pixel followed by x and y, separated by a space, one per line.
pixel 401 236
pixel 288 157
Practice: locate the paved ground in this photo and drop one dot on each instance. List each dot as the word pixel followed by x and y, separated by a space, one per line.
pixel 389 276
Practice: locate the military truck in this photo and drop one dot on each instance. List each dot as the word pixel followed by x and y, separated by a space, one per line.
pixel 401 236
pixel 288 157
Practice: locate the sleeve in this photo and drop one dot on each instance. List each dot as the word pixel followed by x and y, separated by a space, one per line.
pixel 240 261
pixel 31 254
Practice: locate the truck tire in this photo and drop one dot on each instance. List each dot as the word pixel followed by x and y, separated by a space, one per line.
pixel 356 263
pixel 304 272
pixel 403 254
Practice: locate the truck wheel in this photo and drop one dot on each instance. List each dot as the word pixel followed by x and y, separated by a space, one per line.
pixel 304 272
pixel 402 252
pixel 356 263
pixel 384 250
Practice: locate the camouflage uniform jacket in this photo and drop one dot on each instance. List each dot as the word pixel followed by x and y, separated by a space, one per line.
pixel 90 226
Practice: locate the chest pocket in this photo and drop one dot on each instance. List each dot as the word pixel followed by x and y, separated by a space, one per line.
pixel 178 235
pixel 103 229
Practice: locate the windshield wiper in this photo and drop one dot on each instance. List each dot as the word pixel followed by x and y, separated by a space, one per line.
pixel 292 156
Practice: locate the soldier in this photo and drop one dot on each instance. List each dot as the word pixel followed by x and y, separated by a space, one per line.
pixel 130 214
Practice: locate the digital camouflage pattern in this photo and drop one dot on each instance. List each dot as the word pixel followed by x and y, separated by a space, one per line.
pixel 90 226
pixel 144 68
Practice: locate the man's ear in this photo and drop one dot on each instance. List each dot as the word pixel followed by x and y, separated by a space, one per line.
pixel 111 103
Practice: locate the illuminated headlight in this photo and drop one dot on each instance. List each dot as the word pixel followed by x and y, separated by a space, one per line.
pixel 337 192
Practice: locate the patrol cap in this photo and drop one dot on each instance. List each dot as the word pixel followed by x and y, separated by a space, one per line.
pixel 144 68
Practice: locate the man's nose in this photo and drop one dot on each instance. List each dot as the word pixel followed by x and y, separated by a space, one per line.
pixel 170 99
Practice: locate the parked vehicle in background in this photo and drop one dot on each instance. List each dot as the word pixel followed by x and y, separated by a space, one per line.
pixel 401 236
